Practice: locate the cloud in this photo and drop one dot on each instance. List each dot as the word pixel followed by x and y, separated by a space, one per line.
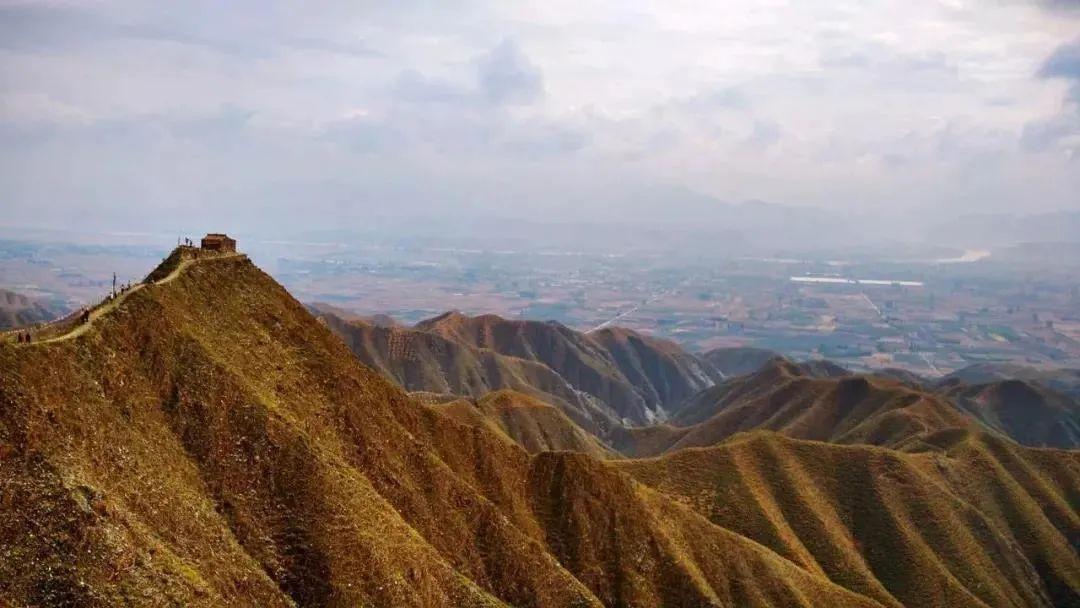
pixel 51 27
pixel 506 75
pixel 1065 6
pixel 412 86
pixel 716 97
pixel 854 105
pixel 352 47
pixel 1061 131
pixel 889 67
pixel 1063 63
pixel 535 141
pixel 366 135
pixel 764 134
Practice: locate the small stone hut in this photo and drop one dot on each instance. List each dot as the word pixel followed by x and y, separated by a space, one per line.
pixel 215 241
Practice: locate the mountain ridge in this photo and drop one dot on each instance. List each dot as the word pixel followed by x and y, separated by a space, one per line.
pixel 210 443
pixel 601 379
pixel 788 398
pixel 888 524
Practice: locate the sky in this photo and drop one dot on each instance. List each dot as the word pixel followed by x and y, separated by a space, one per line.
pixel 320 115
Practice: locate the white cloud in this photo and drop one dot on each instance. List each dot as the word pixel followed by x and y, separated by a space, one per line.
pixel 507 76
pixel 840 104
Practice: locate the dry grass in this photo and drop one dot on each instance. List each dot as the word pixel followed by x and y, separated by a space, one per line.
pixel 528 422
pixel 631 374
pixel 208 442
pixel 975 520
pixel 780 397
pixel 425 361
pixel 1028 412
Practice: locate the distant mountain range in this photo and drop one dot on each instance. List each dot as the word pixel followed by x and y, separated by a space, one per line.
pixel 600 379
pixel 17 310
pixel 210 442
pixel 622 386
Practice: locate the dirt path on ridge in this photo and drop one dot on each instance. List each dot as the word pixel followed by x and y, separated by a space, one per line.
pixel 107 307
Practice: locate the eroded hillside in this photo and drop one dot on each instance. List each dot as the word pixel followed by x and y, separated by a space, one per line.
pixel 971 519
pixel 801 403
pixel 600 379
pixel 526 421
pixel 209 443
pixel 1022 409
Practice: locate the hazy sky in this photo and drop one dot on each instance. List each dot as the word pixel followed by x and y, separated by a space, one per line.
pixel 318 113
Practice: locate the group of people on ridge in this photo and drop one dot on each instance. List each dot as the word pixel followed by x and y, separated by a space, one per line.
pixel 24 337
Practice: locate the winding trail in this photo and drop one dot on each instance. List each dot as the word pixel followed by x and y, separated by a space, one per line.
pixel 108 306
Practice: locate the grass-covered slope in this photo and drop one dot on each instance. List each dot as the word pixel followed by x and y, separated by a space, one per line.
pixel 570 354
pixel 600 379
pixel 1027 411
pixel 209 443
pixel 739 360
pixel 1062 380
pixel 974 520
pixel 424 361
pixel 637 377
pixel 782 397
pixel 532 424
pixel 660 369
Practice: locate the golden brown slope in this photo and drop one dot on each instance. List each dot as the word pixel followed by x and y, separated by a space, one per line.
pixel 378 320
pixel 660 369
pixel 636 377
pixel 201 438
pixel 782 397
pixel 423 361
pixel 1026 411
pixel 1063 380
pixel 976 521
pixel 209 443
pixel 627 559
pixel 532 424
pixel 739 360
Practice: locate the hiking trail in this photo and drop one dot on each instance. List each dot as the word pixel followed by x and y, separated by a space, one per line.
pixel 107 306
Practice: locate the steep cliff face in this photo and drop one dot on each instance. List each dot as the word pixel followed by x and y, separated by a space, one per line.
pixel 208 442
